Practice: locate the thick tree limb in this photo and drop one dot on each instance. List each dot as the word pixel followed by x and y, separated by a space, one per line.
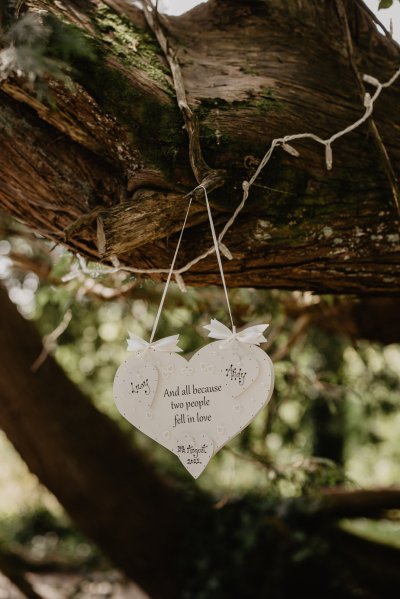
pixel 374 319
pixel 250 76
pixel 365 503
pixel 109 489
pixel 338 503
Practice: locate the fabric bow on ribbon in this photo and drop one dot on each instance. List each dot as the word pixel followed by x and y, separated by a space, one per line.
pixel 136 343
pixel 253 334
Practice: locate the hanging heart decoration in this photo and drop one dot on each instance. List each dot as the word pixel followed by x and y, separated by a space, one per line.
pixel 194 407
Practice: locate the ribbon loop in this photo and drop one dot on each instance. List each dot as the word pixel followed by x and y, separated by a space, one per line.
pixel 136 343
pixel 252 335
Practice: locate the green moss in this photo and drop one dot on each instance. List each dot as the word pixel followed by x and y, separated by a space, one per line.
pixel 145 120
pixel 132 46
pixel 248 70
pixel 85 57
pixel 267 102
pixel 66 42
pixel 215 141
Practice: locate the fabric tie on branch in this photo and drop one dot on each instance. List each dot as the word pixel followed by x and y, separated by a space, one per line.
pixel 136 343
pixel 252 335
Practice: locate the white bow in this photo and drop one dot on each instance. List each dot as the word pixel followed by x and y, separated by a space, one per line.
pixel 252 334
pixel 136 343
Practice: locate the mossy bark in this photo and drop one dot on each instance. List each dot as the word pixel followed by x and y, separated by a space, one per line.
pixel 253 71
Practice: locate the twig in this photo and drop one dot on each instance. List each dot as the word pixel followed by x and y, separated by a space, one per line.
pixel 386 162
pixel 361 4
pixel 85 219
pixel 100 236
pixel 258 462
pixel 298 330
pixel 40 267
pixel 309 464
pixel 50 341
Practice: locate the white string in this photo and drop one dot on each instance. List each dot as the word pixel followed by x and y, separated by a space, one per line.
pixel 221 270
pixel 279 141
pixel 171 270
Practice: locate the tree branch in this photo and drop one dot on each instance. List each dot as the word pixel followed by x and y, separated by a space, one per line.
pixel 337 503
pixel 374 319
pixel 382 151
pixel 108 488
pixel 117 141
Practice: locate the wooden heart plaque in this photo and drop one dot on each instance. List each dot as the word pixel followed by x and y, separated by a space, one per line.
pixel 194 407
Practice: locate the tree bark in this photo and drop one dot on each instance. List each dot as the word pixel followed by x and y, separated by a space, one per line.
pixel 110 490
pixel 337 503
pixel 372 318
pixel 364 503
pixel 253 71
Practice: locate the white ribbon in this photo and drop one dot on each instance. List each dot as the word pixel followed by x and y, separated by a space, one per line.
pixel 136 343
pixel 217 252
pixel 253 334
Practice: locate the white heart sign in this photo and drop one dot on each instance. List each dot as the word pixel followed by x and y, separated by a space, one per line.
pixel 194 407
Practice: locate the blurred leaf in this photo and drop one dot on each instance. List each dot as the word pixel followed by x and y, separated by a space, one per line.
pixel 43 46
pixel 385 4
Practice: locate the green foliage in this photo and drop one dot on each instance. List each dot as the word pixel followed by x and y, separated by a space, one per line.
pixel 38 47
pixel 66 42
pixel 267 102
pixel 38 534
pixel 258 547
pixel 385 4
pixel 131 45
